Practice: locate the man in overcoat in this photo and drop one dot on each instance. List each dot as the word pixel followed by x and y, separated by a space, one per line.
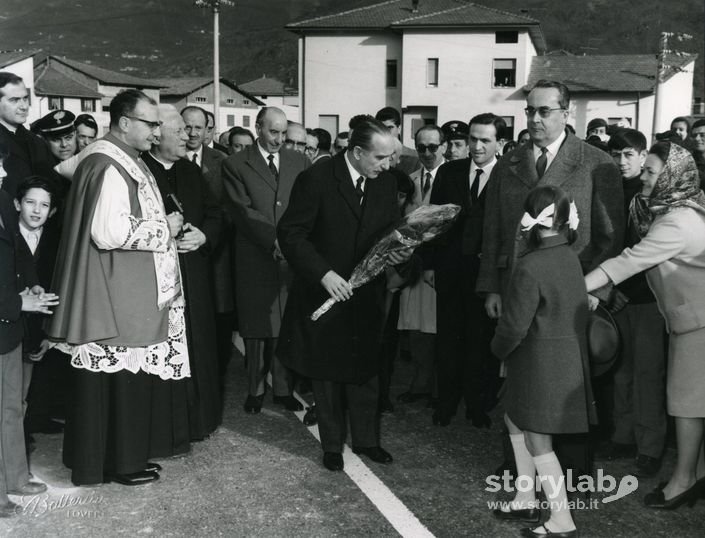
pixel 258 181
pixel 339 208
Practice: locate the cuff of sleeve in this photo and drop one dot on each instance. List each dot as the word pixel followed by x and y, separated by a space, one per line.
pixel 616 271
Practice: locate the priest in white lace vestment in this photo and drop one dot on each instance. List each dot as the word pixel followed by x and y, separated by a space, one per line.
pixel 121 318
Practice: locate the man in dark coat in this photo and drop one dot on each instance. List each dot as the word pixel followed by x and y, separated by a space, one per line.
pixel 180 182
pixel 258 181
pixel 28 153
pixel 338 209
pixel 466 366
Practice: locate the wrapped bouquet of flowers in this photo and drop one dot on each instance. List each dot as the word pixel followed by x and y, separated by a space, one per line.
pixel 419 226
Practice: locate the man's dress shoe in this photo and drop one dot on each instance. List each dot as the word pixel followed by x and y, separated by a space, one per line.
pixel 289 402
pixel 375 453
pixel 9 509
pixel 30 488
pixel 253 404
pixel 153 467
pixel 310 418
pixel 333 461
pixel 132 479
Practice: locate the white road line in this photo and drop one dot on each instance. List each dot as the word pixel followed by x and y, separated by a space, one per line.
pixel 389 505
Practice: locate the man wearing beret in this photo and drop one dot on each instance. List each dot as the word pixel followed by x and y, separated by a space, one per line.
pixel 57 129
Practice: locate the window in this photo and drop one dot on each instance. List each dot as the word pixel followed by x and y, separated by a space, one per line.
pixel 329 122
pixel 87 105
pixel 201 100
pixel 56 103
pixel 230 101
pixel 245 101
pixel 231 120
pixel 505 73
pixel 506 36
pixel 391 73
pixel 245 121
pixel 509 131
pixel 432 72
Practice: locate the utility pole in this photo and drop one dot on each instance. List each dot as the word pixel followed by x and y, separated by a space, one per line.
pixel 662 68
pixel 214 5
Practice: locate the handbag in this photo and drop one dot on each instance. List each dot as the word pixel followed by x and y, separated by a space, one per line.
pixel 604 341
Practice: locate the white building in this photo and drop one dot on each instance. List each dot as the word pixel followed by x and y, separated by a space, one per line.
pixel 83 88
pixel 21 63
pixel 237 107
pixel 452 59
pixel 272 92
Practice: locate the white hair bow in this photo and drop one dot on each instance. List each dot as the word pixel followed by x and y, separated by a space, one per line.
pixel 545 218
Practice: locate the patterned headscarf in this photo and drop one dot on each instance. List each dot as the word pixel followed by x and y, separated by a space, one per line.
pixel 678 185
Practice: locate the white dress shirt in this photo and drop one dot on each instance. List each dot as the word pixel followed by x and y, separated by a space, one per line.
pixel 552 148
pixel 199 156
pixel 265 155
pixel 31 237
pixel 484 178
pixel 354 174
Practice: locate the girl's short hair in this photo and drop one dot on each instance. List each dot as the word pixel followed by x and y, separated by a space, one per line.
pixel 538 200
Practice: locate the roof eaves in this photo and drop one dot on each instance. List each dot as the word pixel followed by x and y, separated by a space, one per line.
pixel 303 24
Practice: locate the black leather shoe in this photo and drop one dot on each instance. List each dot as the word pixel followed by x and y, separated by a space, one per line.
pixel 153 467
pixel 656 498
pixel 375 453
pixel 479 419
pixel 289 402
pixel 132 479
pixel 441 418
pixel 253 404
pixel 527 515
pixel 531 533
pixel 10 509
pixel 310 417
pixel 333 461
pixel 411 397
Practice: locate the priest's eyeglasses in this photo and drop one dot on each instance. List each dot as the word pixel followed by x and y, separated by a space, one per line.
pixel 154 125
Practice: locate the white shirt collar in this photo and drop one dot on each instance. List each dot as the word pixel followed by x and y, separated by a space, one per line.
pixel 432 172
pixel 486 171
pixel 552 148
pixel 166 164
pixel 199 152
pixel 265 154
pixel 11 128
pixel 354 174
pixel 27 233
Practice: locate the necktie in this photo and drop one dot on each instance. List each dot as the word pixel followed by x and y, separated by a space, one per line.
pixel 475 187
pixel 273 167
pixel 541 163
pixel 358 188
pixel 426 184
pixel 194 159
pixel 32 241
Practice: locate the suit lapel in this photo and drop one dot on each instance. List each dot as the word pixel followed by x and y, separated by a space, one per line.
pixel 523 165
pixel 345 186
pixel 563 166
pixel 258 164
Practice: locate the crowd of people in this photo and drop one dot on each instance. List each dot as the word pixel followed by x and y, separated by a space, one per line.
pixel 130 261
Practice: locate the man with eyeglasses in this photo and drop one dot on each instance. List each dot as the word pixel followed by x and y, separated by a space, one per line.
pixel 554 157
pixel 417 303
pixel 121 318
pixel 295 137
pixel 258 181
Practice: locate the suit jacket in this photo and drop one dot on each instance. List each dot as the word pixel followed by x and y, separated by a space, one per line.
pixel 258 202
pixel 16 273
pixel 325 228
pixel 222 256
pixel 29 154
pixel 589 177
pixel 673 254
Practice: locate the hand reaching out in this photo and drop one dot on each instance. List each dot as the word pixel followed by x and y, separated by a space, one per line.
pixel 336 286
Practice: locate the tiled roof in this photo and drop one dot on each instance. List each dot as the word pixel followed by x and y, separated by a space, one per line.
pixel 437 13
pixel 14 56
pixel 187 85
pixel 613 73
pixel 106 76
pixel 50 81
pixel 267 86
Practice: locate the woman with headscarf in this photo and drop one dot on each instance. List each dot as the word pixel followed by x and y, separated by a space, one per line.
pixel 669 217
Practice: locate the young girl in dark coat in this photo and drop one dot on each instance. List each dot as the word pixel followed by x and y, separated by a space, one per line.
pixel 541 337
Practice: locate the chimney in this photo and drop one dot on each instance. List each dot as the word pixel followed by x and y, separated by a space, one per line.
pixel 414 6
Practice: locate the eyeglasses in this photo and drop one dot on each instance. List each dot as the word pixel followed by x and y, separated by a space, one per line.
pixel 293 143
pixel 154 125
pixel 544 111
pixel 433 148
pixel 311 149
